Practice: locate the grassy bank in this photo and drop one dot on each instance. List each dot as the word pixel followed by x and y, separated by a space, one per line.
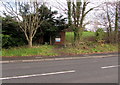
pixel 47 50
pixel 43 50
pixel 90 48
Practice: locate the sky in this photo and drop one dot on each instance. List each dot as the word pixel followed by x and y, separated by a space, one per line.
pixel 61 6
pixel 55 3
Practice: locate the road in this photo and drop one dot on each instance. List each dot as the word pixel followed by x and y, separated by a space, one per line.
pixel 86 70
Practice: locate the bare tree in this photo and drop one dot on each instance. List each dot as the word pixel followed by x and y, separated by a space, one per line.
pixel 76 16
pixel 27 15
pixel 108 17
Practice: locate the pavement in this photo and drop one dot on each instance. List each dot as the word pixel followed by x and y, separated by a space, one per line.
pixel 46 58
pixel 79 70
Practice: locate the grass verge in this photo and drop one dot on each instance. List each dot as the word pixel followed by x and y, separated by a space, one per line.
pixel 43 50
pixel 88 49
pixel 47 50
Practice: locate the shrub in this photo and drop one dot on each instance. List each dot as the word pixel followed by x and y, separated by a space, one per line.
pixel 8 41
pixel 100 35
pixel 11 34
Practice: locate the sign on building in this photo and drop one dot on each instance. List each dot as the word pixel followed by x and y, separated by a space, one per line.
pixel 57 39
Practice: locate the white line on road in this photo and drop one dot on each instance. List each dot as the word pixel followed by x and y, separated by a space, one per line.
pixel 110 66
pixel 33 75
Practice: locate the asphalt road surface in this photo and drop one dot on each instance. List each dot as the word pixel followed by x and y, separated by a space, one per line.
pixel 87 70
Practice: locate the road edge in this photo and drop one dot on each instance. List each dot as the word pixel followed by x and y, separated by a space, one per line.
pixel 62 58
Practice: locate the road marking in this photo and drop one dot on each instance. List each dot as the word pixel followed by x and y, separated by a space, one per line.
pixel 110 66
pixel 34 75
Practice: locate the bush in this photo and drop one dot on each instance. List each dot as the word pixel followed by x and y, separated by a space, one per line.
pixel 11 33
pixel 5 40
pixel 100 34
pixel 8 41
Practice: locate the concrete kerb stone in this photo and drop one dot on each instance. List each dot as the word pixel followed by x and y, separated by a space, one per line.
pixel 50 59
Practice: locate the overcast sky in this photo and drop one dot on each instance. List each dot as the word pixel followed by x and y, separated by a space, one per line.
pixel 61 6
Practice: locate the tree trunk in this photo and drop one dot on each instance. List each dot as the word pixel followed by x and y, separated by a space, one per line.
pixel 30 42
pixel 116 25
pixel 108 35
pixel 110 27
pixel 77 36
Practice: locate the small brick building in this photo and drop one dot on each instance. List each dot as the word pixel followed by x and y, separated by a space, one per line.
pixel 58 39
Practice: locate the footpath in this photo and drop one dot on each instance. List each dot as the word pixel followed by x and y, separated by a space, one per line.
pixel 46 58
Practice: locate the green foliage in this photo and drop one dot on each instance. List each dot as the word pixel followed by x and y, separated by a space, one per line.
pixel 100 34
pixel 11 34
pixel 5 40
pixel 8 41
